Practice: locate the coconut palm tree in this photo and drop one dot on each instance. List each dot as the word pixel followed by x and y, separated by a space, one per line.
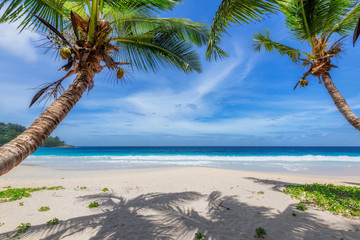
pixel 322 25
pixel 238 12
pixel 92 35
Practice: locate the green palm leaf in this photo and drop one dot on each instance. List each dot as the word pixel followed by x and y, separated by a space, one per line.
pixel 349 18
pixel 54 12
pixel 307 19
pixel 156 49
pixel 194 32
pixel 151 6
pixel 262 40
pixel 235 11
pixel 57 12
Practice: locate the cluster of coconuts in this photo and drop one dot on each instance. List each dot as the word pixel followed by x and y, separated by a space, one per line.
pixel 303 82
pixel 65 53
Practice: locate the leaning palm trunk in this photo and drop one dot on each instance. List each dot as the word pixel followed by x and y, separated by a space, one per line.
pixel 340 102
pixel 12 153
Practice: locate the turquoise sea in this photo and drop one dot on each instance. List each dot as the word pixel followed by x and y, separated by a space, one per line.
pixel 333 160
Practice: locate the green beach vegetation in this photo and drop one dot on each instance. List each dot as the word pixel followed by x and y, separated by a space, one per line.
pixel 21 229
pixel 10 131
pixel 344 200
pixel 301 207
pixel 52 222
pixel 44 209
pixel 93 204
pixel 260 232
pixel 13 194
pixel 199 236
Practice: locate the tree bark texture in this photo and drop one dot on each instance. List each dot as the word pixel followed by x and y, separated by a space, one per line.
pixel 340 102
pixel 12 153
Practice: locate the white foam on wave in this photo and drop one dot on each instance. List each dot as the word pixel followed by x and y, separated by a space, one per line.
pixel 161 159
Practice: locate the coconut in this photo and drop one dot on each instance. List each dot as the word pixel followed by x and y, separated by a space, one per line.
pixel 120 73
pixel 303 82
pixel 65 53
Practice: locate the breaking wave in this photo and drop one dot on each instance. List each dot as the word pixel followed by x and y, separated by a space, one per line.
pixel 197 158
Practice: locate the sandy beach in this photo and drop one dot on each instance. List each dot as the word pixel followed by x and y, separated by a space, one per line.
pixel 168 203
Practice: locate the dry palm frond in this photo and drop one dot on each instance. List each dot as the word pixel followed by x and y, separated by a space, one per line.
pixel 78 23
pixel 50 90
pixel 54 30
pixel 356 32
pixel 69 64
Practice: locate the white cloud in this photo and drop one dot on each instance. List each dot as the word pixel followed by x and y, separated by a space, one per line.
pixel 166 105
pixel 177 112
pixel 192 102
pixel 16 44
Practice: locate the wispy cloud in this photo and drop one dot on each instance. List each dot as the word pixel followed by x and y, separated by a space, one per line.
pixel 19 45
pixel 191 102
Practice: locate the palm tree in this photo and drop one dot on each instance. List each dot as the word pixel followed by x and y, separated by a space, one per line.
pixel 88 33
pixel 323 25
pixel 238 12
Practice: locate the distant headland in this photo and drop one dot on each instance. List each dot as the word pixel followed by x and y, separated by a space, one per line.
pixel 10 131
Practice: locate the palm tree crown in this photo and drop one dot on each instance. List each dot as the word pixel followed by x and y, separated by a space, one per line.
pixel 117 32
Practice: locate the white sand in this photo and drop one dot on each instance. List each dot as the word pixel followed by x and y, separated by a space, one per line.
pixel 168 203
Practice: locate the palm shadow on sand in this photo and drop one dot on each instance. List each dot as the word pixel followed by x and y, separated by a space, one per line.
pixel 159 216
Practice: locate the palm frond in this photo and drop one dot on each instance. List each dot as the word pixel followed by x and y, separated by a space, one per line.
pixel 356 32
pixel 149 6
pixel 262 40
pixel 78 7
pixel 50 90
pixel 54 30
pixel 349 19
pixel 53 12
pixel 194 32
pixel 307 19
pixel 235 11
pixel 156 49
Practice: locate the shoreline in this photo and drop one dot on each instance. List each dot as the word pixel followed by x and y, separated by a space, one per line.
pixel 169 203
pixel 352 172
pixel 31 171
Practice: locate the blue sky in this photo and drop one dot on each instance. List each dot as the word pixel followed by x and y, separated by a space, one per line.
pixel 244 100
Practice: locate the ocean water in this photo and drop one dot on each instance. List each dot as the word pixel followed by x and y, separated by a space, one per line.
pixel 331 160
